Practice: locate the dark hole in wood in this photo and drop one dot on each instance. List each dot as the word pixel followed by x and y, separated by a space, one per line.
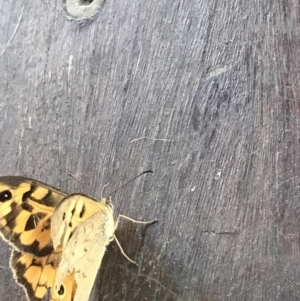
pixel 86 2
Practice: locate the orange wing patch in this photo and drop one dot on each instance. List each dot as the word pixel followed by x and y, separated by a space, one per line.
pixel 37 275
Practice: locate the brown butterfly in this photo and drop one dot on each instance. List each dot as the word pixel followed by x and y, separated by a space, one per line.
pixel 59 240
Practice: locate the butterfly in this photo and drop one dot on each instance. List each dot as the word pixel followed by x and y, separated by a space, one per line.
pixel 58 240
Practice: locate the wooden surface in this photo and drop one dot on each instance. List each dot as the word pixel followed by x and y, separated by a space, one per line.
pixel 214 86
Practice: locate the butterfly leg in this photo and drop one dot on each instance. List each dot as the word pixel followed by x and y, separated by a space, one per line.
pixel 134 221
pixel 122 251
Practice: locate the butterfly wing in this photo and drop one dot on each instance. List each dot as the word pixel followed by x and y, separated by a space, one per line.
pixel 37 275
pixel 26 206
pixel 83 228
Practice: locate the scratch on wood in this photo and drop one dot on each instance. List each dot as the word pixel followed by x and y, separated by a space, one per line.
pixel 137 139
pixel 157 282
pixel 9 41
pixel 220 233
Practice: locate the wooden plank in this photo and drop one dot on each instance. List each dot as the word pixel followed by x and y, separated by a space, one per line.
pixel 202 92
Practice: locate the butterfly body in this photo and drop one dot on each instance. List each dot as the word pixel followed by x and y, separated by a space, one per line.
pixel 59 240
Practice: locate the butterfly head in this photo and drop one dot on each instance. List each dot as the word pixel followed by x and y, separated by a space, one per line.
pixel 107 202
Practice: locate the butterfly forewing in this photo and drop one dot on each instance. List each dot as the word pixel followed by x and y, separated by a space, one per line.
pixel 83 228
pixel 26 206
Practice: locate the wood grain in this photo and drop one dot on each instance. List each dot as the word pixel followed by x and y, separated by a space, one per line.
pixel 205 93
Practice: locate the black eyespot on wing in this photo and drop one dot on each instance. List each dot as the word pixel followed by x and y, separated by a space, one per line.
pixel 5 196
pixel 64 216
pixel 61 290
pixel 70 224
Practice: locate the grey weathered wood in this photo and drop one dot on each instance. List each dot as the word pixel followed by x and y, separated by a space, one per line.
pixel 217 79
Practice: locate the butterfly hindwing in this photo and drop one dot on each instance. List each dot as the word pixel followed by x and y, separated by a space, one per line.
pixel 26 207
pixel 37 275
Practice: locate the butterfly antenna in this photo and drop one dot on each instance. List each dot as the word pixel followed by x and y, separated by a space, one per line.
pixel 144 172
pixel 69 174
